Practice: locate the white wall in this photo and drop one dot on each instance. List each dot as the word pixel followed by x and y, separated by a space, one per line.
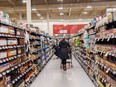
pixel 43 25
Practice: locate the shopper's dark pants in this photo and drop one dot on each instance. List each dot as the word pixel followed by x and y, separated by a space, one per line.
pixel 63 61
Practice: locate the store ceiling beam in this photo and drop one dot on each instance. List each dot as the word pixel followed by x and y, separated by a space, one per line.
pixel 93 12
pixel 70 11
pixel 78 0
pixel 46 2
pixel 82 12
pixel 3 0
pixel 66 6
pixel 12 2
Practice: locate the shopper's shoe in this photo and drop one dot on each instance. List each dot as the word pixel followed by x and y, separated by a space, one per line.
pixel 64 67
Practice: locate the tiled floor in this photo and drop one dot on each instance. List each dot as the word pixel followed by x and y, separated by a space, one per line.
pixel 53 76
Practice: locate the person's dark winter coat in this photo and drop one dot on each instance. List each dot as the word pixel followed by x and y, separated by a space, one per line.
pixel 56 50
pixel 64 49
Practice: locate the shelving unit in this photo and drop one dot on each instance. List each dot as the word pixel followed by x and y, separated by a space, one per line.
pixel 99 58
pixel 20 66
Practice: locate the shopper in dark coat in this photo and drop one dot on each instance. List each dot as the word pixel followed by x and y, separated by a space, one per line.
pixel 64 52
pixel 57 48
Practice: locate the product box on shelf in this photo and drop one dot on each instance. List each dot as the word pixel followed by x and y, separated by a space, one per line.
pixel 111 65
pixel 3 82
pixel 22 84
pixel 6 18
pixel 8 80
pixel 11 31
pixel 26 66
pixel 3 54
pixel 19 32
pixel 15 62
pixel 12 41
pixel 20 50
pixel 3 42
pixel 22 69
pixel 4 67
pixel 28 76
pixel 4 29
pixel 12 52
pixel 35 69
pixel 21 41
pixel 24 58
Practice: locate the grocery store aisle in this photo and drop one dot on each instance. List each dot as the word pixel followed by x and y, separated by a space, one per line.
pixel 53 76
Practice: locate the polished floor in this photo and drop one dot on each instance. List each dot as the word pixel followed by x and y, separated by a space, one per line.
pixel 53 76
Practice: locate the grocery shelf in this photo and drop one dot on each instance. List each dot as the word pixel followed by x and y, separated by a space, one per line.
pixel 13 68
pixel 11 47
pixel 10 58
pixel 11 36
pixel 81 63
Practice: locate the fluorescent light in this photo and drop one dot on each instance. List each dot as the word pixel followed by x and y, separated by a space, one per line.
pixel 80 19
pixel 24 1
pixel 61 20
pixel 34 9
pixel 38 14
pixel 41 18
pixel 85 12
pixel 60 8
pixel 89 6
pixel 61 13
pixel 60 0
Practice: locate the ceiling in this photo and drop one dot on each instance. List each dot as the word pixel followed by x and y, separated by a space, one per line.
pixel 72 9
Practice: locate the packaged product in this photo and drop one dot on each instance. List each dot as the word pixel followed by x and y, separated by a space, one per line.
pixel 110 17
pixel 12 52
pixel 15 62
pixel 22 69
pixel 19 32
pixel 3 82
pixel 111 65
pixel 11 31
pixel 25 66
pixel 3 54
pixel 4 29
pixel 1 15
pixel 12 41
pixel 3 42
pixel 114 16
pixel 21 41
pixel 22 84
pixel 6 18
pixel 4 67
pixel 114 32
pixel 20 50
pixel 8 80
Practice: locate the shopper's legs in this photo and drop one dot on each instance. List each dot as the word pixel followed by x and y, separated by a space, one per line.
pixel 64 64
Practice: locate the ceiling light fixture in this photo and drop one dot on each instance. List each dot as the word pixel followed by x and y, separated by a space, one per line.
pixel 85 12
pixel 41 18
pixel 24 1
pixel 34 9
pixel 61 13
pixel 60 0
pixel 89 6
pixel 39 15
pixel 80 19
pixel 60 8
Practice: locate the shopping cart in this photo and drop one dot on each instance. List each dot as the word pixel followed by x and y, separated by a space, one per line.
pixel 69 61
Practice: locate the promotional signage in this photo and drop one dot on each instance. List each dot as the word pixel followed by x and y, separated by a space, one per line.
pixel 67 29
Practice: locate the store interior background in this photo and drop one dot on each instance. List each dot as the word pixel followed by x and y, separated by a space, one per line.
pixel 46 13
